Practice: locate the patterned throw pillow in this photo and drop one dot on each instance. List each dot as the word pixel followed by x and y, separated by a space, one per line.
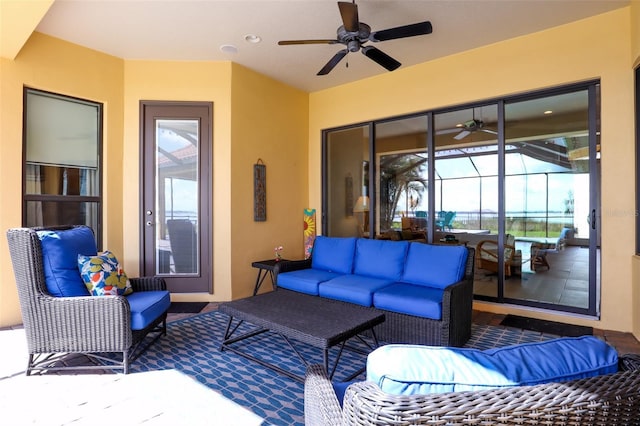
pixel 103 275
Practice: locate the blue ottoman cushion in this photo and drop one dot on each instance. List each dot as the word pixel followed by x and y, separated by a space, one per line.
pixel 413 369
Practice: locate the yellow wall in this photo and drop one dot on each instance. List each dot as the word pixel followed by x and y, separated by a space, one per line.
pixel 598 47
pixel 635 54
pixel 50 64
pixel 269 122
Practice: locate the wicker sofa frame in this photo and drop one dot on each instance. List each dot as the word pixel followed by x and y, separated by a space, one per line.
pixel 454 329
pixel 612 399
pixel 58 326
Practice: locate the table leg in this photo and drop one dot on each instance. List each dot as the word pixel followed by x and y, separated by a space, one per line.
pixel 262 274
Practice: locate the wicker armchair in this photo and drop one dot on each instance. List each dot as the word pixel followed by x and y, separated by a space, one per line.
pixel 612 399
pixel 91 325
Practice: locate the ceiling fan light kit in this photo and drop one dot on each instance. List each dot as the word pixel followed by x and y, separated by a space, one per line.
pixel 354 34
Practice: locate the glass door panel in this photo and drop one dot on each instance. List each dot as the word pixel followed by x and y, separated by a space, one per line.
pixel 466 188
pixel 177 197
pixel 402 202
pixel 547 200
pixel 346 182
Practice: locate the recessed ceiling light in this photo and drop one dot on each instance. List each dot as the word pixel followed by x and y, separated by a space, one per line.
pixel 252 38
pixel 229 48
pixel 547 112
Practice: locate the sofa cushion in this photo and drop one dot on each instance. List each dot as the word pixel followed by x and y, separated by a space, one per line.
pixel 380 258
pixel 413 369
pixel 60 250
pixel 435 265
pixel 352 288
pixel 146 306
pixel 305 280
pixel 103 275
pixel 410 299
pixel 333 254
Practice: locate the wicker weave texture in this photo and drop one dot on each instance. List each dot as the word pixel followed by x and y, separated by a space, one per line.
pixel 453 329
pixel 84 324
pixel 612 399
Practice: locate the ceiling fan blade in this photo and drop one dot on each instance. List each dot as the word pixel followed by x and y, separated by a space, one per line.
pixel 320 41
pixel 421 28
pixel 349 13
pixel 380 57
pixel 493 132
pixel 333 62
pixel 463 134
pixel 447 131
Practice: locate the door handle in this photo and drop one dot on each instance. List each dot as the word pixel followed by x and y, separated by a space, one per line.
pixel 593 219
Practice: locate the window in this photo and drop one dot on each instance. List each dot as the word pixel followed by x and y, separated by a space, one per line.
pixel 62 146
pixel 517 179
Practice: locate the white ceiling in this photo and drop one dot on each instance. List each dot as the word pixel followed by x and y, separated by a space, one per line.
pixel 194 30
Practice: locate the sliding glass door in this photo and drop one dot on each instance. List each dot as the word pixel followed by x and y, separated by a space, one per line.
pixel 516 179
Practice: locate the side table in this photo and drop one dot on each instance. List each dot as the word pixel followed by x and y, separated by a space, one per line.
pixel 265 267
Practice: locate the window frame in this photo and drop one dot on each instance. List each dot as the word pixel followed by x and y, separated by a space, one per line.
pixel 61 198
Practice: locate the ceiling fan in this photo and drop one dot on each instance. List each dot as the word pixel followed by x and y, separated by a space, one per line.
pixel 354 34
pixel 471 126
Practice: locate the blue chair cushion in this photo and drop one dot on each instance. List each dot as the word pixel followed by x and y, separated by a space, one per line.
pixel 380 258
pixel 352 288
pixel 340 388
pixel 333 254
pixel 435 265
pixel 417 300
pixel 413 369
pixel 305 280
pixel 146 306
pixel 60 250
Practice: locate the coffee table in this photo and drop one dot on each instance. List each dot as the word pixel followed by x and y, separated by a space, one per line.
pixel 319 322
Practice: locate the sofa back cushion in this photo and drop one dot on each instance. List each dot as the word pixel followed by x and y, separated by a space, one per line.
pixel 414 369
pixel 333 254
pixel 435 265
pixel 60 250
pixel 380 258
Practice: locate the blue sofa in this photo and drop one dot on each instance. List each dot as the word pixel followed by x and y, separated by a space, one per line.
pixel 426 291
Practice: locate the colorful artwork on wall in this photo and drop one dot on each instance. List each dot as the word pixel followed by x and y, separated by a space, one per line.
pixel 309 231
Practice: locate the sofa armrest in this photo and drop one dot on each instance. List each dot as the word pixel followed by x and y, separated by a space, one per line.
pixel 321 406
pixel 457 306
pixel 148 283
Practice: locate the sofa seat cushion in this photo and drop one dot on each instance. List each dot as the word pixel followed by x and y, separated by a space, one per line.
pixel 435 265
pixel 146 306
pixel 352 288
pixel 333 254
pixel 417 300
pixel 380 258
pixel 305 280
pixel 60 250
pixel 414 369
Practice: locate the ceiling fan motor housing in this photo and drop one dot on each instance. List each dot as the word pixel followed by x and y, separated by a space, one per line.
pixel 353 39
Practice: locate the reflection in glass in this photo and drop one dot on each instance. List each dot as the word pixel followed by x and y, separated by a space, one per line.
pixel 402 178
pixel 347 183
pixel 177 216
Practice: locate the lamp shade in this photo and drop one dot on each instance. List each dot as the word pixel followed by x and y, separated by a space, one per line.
pixel 362 204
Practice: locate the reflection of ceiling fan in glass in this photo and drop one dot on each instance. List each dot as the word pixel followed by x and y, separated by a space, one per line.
pixel 471 126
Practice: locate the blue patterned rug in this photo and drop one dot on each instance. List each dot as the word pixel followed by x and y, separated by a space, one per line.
pixel 192 347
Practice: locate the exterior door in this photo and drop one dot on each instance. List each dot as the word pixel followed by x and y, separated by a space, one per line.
pixel 176 196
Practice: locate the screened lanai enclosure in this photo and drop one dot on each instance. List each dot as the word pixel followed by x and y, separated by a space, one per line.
pixel 517 179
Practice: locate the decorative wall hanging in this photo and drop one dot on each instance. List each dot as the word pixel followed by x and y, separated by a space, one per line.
pixel 259 191
pixel 348 195
pixel 309 231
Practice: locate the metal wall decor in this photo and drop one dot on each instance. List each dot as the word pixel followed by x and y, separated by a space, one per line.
pixel 259 191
